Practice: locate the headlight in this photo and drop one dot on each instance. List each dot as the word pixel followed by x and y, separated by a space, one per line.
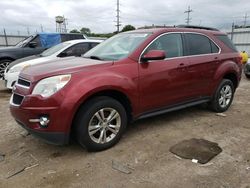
pixel 18 68
pixel 51 85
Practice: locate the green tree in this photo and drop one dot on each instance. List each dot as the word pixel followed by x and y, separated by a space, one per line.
pixel 85 30
pixel 128 28
pixel 74 31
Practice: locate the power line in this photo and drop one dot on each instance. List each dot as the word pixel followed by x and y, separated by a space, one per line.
pixel 188 11
pixel 118 23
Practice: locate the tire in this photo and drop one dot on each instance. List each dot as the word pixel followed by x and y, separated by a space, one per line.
pixel 3 65
pixel 248 76
pixel 223 96
pixel 96 112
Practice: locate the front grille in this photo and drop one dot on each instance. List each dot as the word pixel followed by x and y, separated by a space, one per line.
pixel 23 82
pixel 17 99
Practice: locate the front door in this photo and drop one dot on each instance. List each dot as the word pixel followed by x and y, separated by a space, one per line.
pixel 164 82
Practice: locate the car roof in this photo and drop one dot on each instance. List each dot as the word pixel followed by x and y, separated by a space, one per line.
pixel 176 29
pixel 76 41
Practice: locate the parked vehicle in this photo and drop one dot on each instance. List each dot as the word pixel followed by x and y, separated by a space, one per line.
pixel 132 75
pixel 247 69
pixel 61 50
pixel 33 45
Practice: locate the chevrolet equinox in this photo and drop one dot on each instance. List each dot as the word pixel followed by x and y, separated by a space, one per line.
pixel 130 76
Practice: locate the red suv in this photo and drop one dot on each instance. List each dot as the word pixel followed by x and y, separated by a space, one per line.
pixel 130 76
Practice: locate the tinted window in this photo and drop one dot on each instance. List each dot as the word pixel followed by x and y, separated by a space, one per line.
pixel 170 43
pixel 93 44
pixel 215 48
pixel 197 44
pixel 227 42
pixel 78 49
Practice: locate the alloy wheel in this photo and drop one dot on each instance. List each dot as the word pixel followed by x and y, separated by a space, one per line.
pixel 3 66
pixel 225 96
pixel 104 125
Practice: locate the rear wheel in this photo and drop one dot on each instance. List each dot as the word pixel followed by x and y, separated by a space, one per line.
pixel 3 65
pixel 247 75
pixel 100 123
pixel 223 96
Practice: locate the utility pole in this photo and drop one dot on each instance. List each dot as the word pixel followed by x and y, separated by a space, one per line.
pixel 232 32
pixel 41 28
pixel 28 31
pixel 118 23
pixel 5 37
pixel 188 11
pixel 245 19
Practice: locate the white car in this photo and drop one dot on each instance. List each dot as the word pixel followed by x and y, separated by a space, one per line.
pixel 65 49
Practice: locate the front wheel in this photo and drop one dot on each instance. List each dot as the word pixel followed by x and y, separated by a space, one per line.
pixel 223 96
pixel 3 65
pixel 100 123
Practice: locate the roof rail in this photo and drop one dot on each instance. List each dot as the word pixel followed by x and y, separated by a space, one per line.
pixel 197 27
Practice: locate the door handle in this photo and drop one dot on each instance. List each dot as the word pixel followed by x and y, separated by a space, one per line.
pixel 182 67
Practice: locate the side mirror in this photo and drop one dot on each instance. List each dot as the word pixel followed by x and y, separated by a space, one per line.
pixel 32 44
pixel 154 55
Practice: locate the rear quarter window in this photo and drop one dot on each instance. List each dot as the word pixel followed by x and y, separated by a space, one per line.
pixel 198 44
pixel 227 42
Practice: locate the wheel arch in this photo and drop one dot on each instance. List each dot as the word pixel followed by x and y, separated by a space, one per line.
pixel 112 93
pixel 6 57
pixel 233 77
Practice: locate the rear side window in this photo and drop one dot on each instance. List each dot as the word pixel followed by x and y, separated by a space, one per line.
pixel 199 44
pixel 227 42
pixel 77 49
pixel 93 44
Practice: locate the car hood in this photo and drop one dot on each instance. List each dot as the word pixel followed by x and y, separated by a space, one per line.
pixel 18 61
pixel 66 65
pixel 9 49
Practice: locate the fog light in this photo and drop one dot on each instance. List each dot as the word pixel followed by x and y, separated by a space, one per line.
pixel 44 121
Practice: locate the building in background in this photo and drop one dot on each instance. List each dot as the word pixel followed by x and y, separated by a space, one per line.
pixel 241 38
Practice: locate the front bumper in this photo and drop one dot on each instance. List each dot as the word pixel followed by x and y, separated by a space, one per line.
pixel 56 138
pixel 57 132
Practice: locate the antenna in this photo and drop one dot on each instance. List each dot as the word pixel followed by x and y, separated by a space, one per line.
pixel 188 11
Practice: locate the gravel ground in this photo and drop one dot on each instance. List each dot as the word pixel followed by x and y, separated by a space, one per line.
pixel 144 149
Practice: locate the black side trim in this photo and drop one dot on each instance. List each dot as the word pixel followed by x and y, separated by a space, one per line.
pixel 56 138
pixel 174 107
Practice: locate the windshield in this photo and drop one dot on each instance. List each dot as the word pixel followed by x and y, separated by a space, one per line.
pixel 54 49
pixel 117 47
pixel 24 41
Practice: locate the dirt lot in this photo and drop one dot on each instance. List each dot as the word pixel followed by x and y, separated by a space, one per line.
pixel 144 148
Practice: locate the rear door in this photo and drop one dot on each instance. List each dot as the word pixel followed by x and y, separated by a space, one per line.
pixel 203 57
pixel 164 82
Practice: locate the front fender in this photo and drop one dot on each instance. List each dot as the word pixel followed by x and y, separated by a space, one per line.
pixel 90 85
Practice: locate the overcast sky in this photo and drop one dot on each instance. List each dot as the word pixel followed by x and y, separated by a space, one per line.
pixel 99 15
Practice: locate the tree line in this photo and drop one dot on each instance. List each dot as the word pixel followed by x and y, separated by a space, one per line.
pixel 87 31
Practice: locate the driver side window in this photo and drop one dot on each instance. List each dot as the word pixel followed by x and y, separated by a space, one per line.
pixel 170 43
